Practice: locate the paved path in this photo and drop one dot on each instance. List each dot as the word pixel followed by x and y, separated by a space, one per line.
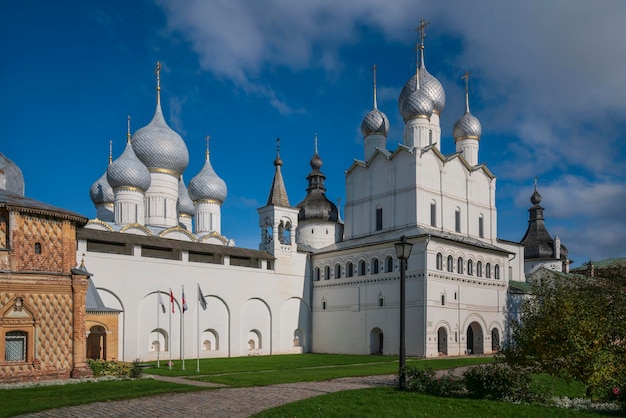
pixel 223 402
pixel 226 402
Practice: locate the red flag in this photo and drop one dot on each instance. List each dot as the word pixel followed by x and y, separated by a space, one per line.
pixel 172 300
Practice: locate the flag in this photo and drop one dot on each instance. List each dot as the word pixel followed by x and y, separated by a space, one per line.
pixel 184 301
pixel 161 301
pixel 172 300
pixel 201 298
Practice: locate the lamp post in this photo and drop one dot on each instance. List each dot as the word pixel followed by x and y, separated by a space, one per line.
pixel 403 250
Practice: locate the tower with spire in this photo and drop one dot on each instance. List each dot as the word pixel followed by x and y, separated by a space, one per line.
pixel 207 192
pixel 165 155
pixel 320 225
pixel 540 249
pixel 374 127
pixel 467 130
pixel 129 179
pixel 278 220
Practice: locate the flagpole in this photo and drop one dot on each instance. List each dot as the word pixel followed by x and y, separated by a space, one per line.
pixel 169 363
pixel 182 340
pixel 158 332
pixel 198 333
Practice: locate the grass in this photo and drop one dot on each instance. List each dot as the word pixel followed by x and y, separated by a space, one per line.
pixel 266 370
pixel 390 402
pixel 29 400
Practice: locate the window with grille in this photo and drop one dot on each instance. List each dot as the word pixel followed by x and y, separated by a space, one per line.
pixel 15 346
pixel 379 219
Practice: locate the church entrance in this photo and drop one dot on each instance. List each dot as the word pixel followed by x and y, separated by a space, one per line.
pixel 442 341
pixel 376 341
pixel 474 338
pixel 96 343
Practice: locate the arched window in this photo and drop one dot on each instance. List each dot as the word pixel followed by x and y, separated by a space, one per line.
pixel 496 272
pixel 443 300
pixel 450 263
pixel 481 226
pixel 457 220
pixel 433 213
pixel 337 271
pixel 470 267
pixel 459 265
pixel 488 270
pixel 479 269
pixel 362 268
pixel 317 274
pixel 326 273
pixel 439 261
pixel 374 266
pixel 349 269
pixel 389 264
pixel 37 248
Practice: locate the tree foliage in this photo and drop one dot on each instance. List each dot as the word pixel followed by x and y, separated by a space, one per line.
pixel 574 327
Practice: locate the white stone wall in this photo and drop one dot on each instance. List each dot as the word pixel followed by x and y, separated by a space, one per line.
pixel 242 303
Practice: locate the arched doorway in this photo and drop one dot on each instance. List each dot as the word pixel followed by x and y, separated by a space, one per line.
pixel 376 341
pixel 495 340
pixel 442 341
pixel 474 337
pixel 97 343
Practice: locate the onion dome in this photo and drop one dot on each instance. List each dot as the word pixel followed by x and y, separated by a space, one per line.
pixel 157 145
pixel 417 104
pixel 101 191
pixel 184 205
pixel 535 199
pixel 207 185
pixel 128 171
pixel 375 122
pixel 468 126
pixel 316 206
pixel 431 86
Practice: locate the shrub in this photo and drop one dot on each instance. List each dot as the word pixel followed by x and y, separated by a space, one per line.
pixel 115 368
pixel 498 380
pixel 426 381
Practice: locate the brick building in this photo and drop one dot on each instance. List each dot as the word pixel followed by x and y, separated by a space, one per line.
pixel 42 295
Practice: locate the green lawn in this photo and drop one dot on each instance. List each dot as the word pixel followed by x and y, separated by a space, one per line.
pixel 390 403
pixel 266 370
pixel 21 401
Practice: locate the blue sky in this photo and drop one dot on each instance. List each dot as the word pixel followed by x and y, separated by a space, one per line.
pixel 547 84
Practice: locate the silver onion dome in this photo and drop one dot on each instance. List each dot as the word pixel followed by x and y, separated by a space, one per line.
pixel 467 127
pixel 433 89
pixel 375 122
pixel 417 104
pixel 128 171
pixel 159 147
pixel 101 191
pixel 207 185
pixel 184 205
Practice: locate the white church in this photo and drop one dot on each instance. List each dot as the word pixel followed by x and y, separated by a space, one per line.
pixel 317 282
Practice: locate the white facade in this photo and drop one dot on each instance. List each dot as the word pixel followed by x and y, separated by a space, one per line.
pixel 319 283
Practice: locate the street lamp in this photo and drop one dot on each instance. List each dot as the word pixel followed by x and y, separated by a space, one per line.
pixel 403 250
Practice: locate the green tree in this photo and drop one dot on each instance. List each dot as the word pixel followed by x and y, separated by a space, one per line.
pixel 574 327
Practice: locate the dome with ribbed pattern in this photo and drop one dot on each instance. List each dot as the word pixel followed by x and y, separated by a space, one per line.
pixel 101 191
pixel 184 205
pixel 159 147
pixel 207 185
pixel 128 171
pixel 375 122
pixel 467 127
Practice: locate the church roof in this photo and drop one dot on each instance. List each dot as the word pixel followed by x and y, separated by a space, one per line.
pixel 537 242
pixel 278 192
pixel 316 206
pixel 12 201
pixel 11 177
pixel 165 243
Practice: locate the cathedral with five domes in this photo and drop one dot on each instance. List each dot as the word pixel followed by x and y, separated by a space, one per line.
pixel 317 282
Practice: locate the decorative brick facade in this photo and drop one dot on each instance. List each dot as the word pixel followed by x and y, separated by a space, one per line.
pixel 42 298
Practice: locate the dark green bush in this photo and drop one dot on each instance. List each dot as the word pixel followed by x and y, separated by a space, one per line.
pixel 498 380
pixel 426 381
